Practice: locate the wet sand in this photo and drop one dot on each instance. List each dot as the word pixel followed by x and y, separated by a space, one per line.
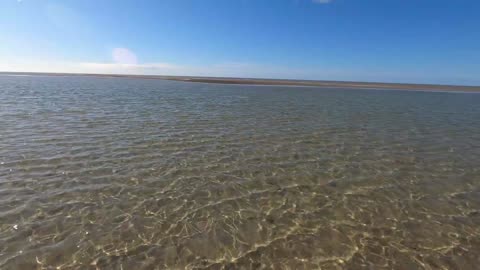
pixel 280 82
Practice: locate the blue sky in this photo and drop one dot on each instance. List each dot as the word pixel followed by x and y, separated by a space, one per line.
pixel 425 41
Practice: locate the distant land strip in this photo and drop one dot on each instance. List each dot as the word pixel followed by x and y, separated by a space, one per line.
pixel 273 82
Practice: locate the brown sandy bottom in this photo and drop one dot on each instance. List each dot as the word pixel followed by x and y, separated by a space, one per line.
pixel 144 174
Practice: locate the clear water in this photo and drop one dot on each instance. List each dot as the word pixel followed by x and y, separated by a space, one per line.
pixel 114 173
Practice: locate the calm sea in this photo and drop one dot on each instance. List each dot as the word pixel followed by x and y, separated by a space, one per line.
pixel 116 173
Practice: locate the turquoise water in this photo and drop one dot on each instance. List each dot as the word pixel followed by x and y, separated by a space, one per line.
pixel 115 173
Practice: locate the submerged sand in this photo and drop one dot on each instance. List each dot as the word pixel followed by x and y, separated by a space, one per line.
pixel 282 82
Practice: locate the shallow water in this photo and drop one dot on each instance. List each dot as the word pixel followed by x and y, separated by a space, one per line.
pixel 113 173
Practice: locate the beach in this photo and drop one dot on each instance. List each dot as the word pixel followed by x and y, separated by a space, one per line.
pixel 278 82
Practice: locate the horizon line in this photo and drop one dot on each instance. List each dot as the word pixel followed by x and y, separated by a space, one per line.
pixel 267 81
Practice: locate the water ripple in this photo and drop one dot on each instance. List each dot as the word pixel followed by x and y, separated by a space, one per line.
pixel 113 173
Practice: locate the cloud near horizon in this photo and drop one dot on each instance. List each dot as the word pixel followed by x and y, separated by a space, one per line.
pixel 225 69
pixel 124 62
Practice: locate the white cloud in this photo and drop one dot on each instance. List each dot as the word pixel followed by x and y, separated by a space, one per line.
pixel 238 69
pixel 124 56
pixel 322 1
pixel 226 69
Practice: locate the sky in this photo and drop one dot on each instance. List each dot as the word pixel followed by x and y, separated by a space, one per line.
pixel 418 41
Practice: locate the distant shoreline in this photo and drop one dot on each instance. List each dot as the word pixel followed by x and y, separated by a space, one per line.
pixel 274 82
